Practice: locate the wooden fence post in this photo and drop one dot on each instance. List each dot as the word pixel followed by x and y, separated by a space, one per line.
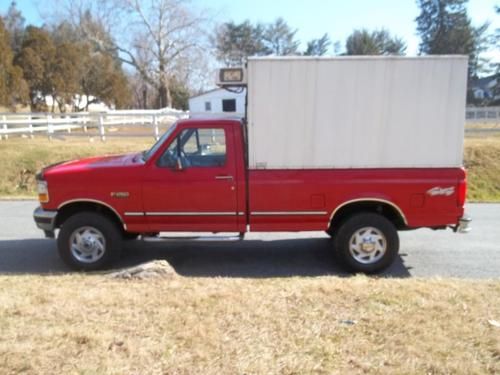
pixel 156 129
pixel 31 127
pixel 50 127
pixel 4 120
pixel 101 128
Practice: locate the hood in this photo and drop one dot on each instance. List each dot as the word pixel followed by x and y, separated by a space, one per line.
pixel 93 163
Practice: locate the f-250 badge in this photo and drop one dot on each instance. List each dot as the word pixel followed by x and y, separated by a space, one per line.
pixel 435 191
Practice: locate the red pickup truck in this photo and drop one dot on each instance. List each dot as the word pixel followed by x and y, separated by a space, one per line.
pixel 204 175
pixel 195 179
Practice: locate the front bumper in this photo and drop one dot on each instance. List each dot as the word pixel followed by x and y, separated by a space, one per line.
pixel 463 225
pixel 45 220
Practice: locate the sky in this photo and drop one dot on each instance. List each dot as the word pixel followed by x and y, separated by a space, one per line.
pixel 313 18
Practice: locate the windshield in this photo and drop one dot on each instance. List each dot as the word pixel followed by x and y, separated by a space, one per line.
pixel 147 154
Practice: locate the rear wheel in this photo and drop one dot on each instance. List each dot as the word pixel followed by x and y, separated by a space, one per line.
pixel 367 242
pixel 89 241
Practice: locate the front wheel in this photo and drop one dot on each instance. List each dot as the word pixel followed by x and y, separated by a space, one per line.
pixel 89 241
pixel 367 242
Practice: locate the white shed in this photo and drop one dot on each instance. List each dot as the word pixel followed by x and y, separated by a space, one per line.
pixel 218 102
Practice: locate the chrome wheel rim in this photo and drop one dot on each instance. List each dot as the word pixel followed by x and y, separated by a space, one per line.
pixel 367 245
pixel 87 244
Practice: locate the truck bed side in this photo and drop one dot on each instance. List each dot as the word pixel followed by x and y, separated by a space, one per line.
pixel 295 200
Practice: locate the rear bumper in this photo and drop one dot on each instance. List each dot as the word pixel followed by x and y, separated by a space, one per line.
pixel 45 220
pixel 463 225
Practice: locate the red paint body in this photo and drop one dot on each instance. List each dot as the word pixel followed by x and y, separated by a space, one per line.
pixel 166 199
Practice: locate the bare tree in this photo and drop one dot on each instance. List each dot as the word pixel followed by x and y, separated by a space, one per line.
pixel 155 37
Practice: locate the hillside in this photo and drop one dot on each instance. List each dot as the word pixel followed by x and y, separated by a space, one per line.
pixel 21 158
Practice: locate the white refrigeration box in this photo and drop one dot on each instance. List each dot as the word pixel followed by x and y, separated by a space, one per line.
pixel 356 112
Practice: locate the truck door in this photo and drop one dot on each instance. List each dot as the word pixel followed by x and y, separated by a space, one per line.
pixel 191 186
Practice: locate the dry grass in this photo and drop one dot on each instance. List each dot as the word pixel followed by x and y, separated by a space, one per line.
pixel 482 160
pixel 96 325
pixel 19 109
pixel 21 158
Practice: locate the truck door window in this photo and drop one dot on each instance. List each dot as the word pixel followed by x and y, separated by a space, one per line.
pixel 196 148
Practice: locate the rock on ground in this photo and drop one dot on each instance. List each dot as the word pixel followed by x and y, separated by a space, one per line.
pixel 157 268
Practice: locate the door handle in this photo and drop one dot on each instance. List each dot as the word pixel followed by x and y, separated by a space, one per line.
pixel 223 177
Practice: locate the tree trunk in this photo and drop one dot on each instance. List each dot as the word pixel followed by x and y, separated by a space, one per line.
pixel 169 98
pixel 33 102
pixel 61 105
pixel 144 98
pixel 164 96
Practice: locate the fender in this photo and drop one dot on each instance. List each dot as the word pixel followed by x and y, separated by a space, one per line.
pixel 370 199
pixel 83 200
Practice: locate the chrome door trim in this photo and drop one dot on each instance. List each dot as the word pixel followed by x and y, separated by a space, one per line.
pixel 134 213
pixel 179 213
pixel 223 177
pixel 287 213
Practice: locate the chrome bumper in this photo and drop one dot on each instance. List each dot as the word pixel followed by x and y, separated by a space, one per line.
pixel 46 221
pixel 463 225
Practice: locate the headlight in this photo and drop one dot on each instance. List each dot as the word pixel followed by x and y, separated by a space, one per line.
pixel 43 191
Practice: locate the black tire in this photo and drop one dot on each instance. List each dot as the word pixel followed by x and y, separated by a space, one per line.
pixel 330 232
pixel 353 256
pixel 130 236
pixel 93 223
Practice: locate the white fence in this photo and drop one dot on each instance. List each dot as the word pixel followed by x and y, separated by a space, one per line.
pixel 102 124
pixel 149 122
pixel 482 114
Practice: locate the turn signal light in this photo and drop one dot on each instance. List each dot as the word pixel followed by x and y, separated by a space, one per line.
pixel 43 191
pixel 43 198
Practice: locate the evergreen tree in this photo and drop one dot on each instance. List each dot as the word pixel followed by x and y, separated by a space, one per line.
pixel 235 42
pixel 13 89
pixel 496 44
pixel 82 70
pixel 377 42
pixel 445 28
pixel 279 38
pixel 180 96
pixel 67 72
pixel 318 47
pixel 36 59
pixel 14 23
